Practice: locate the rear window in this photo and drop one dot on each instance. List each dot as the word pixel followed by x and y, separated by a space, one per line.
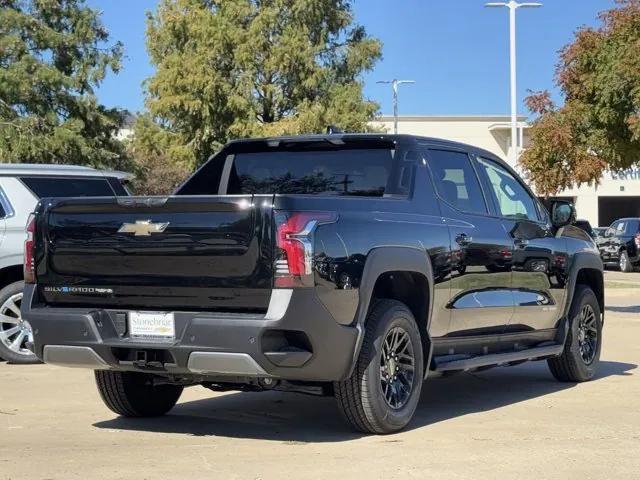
pixel 349 172
pixel 43 187
pixel 340 172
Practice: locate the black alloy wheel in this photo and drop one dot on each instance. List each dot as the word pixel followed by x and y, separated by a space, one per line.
pixel 397 367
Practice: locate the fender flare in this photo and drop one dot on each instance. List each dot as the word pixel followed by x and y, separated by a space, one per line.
pixel 381 260
pixel 581 261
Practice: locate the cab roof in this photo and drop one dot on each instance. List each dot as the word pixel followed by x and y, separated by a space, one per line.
pixel 374 140
pixel 60 170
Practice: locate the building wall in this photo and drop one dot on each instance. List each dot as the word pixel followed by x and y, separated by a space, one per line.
pixel 489 132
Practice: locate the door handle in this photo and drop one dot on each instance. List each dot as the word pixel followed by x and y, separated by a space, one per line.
pixel 463 239
pixel 521 242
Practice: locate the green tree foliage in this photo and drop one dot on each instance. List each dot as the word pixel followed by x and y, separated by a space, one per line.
pixel 240 68
pixel 53 53
pixel 598 128
pixel 158 171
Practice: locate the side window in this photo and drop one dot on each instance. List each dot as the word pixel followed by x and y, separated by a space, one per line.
pixel 6 209
pixel 119 188
pixel 403 173
pixel 621 227
pixel 68 186
pixel 512 199
pixel 456 180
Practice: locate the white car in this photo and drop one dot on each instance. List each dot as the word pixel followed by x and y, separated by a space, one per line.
pixel 21 186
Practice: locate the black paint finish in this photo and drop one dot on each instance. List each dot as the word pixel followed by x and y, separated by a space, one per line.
pixel 495 283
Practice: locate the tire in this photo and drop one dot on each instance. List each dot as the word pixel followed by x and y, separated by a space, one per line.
pixel 133 394
pixel 572 366
pixel 624 262
pixel 361 397
pixel 14 332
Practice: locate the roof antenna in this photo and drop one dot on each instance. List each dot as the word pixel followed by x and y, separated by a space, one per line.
pixel 332 130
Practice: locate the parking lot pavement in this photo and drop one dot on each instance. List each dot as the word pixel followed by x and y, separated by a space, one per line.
pixel 503 423
pixel 615 276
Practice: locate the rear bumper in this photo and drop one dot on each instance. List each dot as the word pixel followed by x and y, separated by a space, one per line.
pixel 297 339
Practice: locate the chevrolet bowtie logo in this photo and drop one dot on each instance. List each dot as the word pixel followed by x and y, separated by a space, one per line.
pixel 143 228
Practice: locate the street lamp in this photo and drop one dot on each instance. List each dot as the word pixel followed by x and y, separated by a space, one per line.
pixel 513 6
pixel 394 84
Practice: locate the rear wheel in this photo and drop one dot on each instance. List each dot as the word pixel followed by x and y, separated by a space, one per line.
pixel 14 331
pixel 624 262
pixel 133 394
pixel 382 393
pixel 581 355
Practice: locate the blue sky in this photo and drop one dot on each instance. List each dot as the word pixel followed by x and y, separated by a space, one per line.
pixel 456 50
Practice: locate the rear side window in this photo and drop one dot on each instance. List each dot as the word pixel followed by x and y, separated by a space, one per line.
pixel 456 180
pixel 632 227
pixel 119 189
pixel 44 187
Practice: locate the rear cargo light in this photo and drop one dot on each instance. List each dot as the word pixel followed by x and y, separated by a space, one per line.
pixel 294 240
pixel 29 259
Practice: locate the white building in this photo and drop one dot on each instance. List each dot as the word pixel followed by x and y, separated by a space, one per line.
pixel 616 195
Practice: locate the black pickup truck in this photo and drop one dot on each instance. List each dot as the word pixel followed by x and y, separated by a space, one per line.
pixel 620 244
pixel 348 265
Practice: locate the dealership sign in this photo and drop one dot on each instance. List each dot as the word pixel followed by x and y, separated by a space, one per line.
pixel 628 174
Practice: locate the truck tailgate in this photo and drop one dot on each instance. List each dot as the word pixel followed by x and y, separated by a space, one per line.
pixel 177 253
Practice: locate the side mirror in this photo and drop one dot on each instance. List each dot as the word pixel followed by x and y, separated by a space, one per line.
pixel 562 214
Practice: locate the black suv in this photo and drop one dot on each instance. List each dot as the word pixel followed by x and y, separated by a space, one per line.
pixel 620 244
pixel 352 265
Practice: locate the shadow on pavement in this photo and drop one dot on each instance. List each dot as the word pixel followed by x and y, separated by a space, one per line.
pixel 624 309
pixel 297 418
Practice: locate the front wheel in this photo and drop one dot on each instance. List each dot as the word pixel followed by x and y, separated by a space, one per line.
pixel 382 393
pixel 133 394
pixel 625 263
pixel 581 355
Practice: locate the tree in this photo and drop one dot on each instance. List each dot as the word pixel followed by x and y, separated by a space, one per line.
pixel 53 54
pixel 598 127
pixel 238 68
pixel 157 170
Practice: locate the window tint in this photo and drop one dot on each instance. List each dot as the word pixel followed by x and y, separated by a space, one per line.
pixel 3 199
pixel 456 180
pixel 119 188
pixel 628 227
pixel 512 199
pixel 68 187
pixel 355 172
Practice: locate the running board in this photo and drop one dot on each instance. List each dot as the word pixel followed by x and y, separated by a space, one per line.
pixel 498 359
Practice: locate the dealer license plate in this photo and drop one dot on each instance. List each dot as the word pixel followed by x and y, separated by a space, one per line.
pixel 152 326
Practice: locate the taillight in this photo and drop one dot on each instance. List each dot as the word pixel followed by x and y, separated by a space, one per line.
pixel 294 241
pixel 29 259
pixel 637 239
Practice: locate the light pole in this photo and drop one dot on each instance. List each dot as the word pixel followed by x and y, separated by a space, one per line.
pixel 513 6
pixel 394 84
